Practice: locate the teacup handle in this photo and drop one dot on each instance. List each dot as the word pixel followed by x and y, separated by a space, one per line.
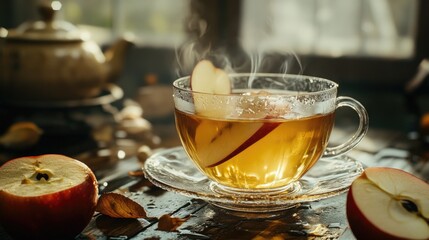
pixel 358 135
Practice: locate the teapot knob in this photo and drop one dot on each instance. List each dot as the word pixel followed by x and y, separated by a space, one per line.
pixel 47 12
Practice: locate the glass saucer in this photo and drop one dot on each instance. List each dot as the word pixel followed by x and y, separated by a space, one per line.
pixel 172 170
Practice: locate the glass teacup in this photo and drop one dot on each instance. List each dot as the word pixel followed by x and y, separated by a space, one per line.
pixel 266 134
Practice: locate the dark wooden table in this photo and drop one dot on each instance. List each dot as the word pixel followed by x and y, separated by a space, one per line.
pixel 325 219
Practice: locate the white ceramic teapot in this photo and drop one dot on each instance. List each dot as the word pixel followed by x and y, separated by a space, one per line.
pixel 52 60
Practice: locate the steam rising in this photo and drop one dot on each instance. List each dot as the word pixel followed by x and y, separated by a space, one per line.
pixel 256 59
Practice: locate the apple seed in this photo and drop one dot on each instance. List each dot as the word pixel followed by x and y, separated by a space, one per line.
pixel 42 175
pixel 412 207
pixel 409 205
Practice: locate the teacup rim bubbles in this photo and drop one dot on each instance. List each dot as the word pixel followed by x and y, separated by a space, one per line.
pixel 333 86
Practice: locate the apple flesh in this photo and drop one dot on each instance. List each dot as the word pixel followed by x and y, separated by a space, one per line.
pixel 388 203
pixel 229 139
pixel 46 197
pixel 206 78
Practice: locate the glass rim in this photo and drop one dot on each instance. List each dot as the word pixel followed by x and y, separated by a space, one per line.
pixel 333 85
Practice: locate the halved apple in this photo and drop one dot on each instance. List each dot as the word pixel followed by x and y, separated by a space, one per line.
pixel 46 197
pixel 220 141
pixel 388 203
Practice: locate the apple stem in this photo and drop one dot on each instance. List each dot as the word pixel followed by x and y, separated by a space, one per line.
pixel 37 163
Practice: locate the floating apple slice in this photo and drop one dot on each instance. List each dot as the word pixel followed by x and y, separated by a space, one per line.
pixel 216 145
pixel 388 203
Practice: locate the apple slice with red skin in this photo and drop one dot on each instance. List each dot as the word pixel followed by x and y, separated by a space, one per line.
pixel 388 203
pixel 229 139
pixel 46 197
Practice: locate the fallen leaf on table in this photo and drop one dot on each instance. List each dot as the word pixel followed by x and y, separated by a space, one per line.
pixel 170 224
pixel 119 206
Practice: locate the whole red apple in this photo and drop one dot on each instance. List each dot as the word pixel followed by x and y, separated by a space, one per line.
pixel 388 203
pixel 46 197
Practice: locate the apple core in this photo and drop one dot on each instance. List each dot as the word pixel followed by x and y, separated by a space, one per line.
pixel 31 177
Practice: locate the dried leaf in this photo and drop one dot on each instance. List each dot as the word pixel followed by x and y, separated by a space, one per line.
pixel 170 224
pixel 119 206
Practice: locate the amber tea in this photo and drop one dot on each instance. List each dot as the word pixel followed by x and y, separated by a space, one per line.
pixel 281 152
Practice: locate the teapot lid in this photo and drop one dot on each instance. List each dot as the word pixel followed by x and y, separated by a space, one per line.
pixel 46 29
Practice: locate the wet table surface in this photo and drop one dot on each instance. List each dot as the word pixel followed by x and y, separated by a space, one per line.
pixel 324 219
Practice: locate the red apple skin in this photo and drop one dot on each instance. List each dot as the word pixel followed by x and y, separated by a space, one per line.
pixel 60 215
pixel 362 228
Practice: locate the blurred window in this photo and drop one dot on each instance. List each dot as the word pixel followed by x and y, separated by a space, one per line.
pixel 153 22
pixel 333 28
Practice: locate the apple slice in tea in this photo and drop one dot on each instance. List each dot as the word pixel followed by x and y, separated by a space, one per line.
pixel 218 141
